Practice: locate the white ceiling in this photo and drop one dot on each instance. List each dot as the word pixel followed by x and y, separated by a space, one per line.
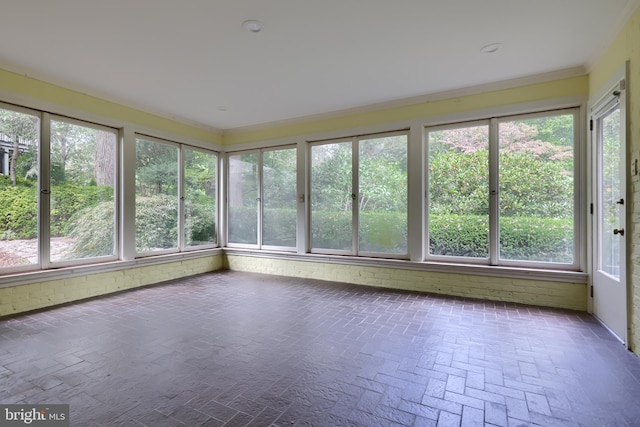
pixel 189 59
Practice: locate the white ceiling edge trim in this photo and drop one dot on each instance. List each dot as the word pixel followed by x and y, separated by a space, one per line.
pixel 104 96
pixel 613 32
pixel 420 99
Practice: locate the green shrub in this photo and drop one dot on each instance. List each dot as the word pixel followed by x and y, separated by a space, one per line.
pixel 69 199
pixel 521 238
pixel 18 212
pixel 92 231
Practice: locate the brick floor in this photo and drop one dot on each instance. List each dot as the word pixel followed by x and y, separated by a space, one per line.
pixel 239 349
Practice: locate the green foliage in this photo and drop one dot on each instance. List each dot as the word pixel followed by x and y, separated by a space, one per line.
pixel 279 227
pixel 200 222
pixel 459 235
pixel 529 186
pixel 69 199
pixel 92 231
pixel 18 211
pixel 156 222
pixel 521 238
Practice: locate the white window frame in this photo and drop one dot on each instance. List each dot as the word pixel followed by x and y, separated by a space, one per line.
pixel 355 184
pixel 260 199
pixel 494 237
pixel 45 164
pixel 181 209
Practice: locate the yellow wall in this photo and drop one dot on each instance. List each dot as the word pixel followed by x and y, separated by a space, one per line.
pixel 34 296
pixel 526 291
pixel 23 85
pixel 625 47
pixel 574 86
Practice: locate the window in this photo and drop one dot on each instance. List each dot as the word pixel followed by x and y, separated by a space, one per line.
pixel 458 180
pixel 83 182
pixel 156 195
pixel 503 191
pixel 262 206
pixel 59 194
pixel 279 201
pixel 359 196
pixel 19 188
pixel 200 196
pixel 536 188
pixel 243 198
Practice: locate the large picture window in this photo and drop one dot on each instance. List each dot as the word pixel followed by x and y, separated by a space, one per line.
pixel 359 196
pixel 504 191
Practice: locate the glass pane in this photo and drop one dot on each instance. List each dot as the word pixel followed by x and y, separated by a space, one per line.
pixel 279 207
pixel 459 192
pixel 610 192
pixel 19 144
pixel 156 196
pixel 536 189
pixel 83 174
pixel 331 215
pixel 383 195
pixel 200 197
pixel 243 198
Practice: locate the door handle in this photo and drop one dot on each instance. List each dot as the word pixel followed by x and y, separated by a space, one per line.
pixel 620 231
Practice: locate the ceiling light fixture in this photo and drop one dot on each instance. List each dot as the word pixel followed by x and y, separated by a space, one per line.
pixel 491 48
pixel 252 26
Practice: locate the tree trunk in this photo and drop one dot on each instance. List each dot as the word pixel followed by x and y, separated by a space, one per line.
pixel 105 158
pixel 14 159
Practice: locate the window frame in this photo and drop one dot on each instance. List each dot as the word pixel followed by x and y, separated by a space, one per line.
pixel 355 184
pixel 494 166
pixel 181 208
pixel 181 246
pixel 47 195
pixel 260 199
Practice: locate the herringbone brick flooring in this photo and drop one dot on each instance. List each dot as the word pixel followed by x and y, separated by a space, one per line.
pixel 238 349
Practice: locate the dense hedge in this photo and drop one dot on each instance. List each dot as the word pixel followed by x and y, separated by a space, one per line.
pixel 521 238
pixel 85 214
pixel 19 207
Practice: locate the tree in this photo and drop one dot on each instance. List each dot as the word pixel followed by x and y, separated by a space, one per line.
pixel 105 158
pixel 20 129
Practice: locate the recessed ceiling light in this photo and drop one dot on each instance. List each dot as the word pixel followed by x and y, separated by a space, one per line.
pixel 252 25
pixel 491 48
pixel 222 108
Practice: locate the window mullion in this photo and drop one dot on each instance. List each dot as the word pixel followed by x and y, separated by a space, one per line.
pixel 45 191
pixel 494 193
pixel 355 193
pixel 260 200
pixel 181 211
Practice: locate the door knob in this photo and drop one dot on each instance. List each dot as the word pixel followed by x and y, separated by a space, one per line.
pixel 620 231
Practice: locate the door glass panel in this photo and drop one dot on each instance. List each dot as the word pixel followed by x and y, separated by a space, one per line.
pixel 536 196
pixel 200 197
pixel 331 201
pixel 459 192
pixel 19 145
pixel 243 198
pixel 382 178
pixel 610 193
pixel 83 179
pixel 279 197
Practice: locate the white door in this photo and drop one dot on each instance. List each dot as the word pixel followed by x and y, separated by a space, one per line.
pixel 609 278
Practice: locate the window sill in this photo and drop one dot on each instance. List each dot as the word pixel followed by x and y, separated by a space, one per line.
pixel 427 266
pixel 27 277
